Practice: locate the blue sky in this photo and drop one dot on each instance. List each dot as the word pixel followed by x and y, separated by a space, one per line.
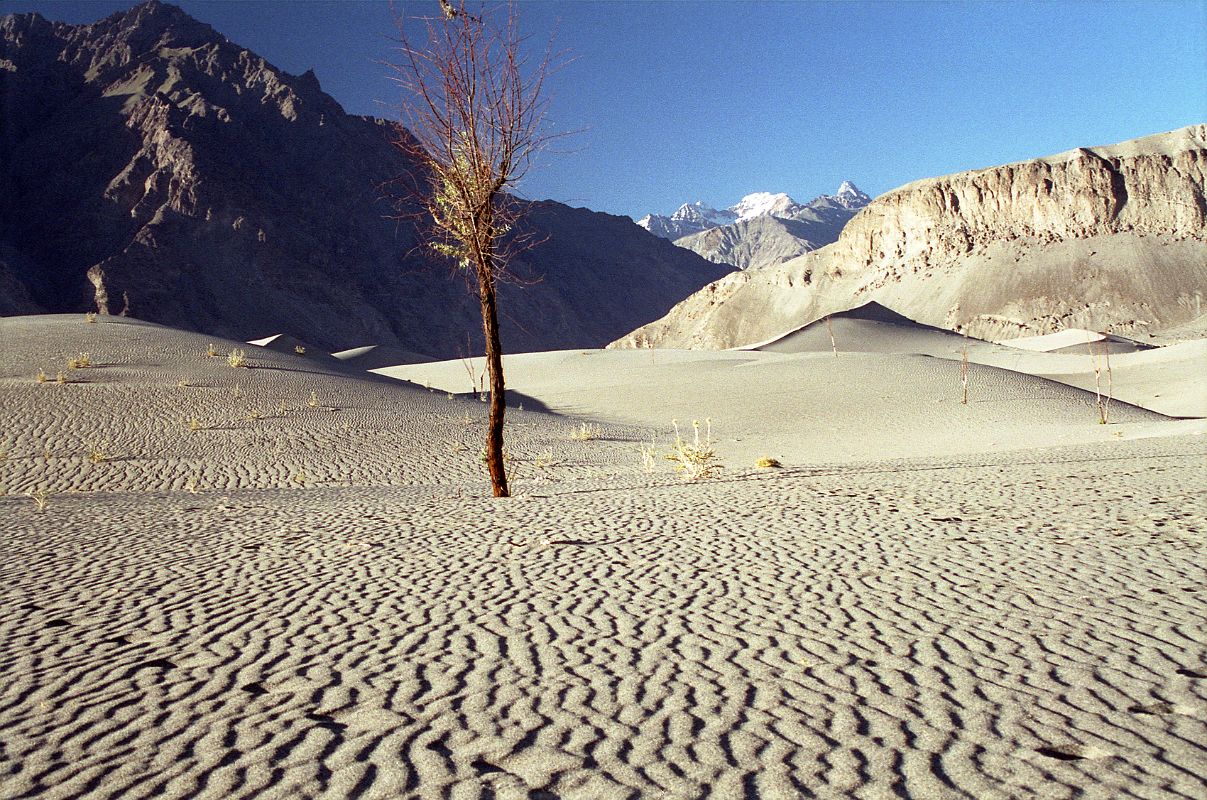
pixel 683 101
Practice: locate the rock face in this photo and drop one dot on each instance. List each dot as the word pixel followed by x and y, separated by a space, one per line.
pixel 147 158
pixel 1100 238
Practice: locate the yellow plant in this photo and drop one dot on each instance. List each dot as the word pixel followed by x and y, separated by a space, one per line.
pixel 210 350
pixel 96 453
pixel 80 362
pixel 313 402
pixel 586 432
pixel 61 378
pixel 237 358
pixel 193 423
pixel 41 376
pixel 696 460
pixel 90 316
pixel 767 462
pixel 41 498
pixel 301 351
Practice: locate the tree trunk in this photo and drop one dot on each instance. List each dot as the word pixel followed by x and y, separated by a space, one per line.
pixel 494 369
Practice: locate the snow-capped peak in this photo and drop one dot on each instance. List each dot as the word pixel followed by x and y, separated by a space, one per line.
pixel 759 204
pixel 848 195
pixel 698 212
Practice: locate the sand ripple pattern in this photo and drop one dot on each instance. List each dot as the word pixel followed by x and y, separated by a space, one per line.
pixel 1017 626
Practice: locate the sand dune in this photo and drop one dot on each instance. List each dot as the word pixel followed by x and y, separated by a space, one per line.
pixel 980 622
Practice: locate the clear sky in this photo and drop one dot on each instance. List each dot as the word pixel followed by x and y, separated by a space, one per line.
pixel 687 100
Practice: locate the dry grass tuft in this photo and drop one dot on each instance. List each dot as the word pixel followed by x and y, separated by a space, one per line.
pixel 40 377
pixel 97 453
pixel 90 317
pixel 301 351
pixel 767 462
pixel 586 432
pixel 210 350
pixel 300 478
pixel 696 460
pixel 193 423
pixel 192 482
pixel 41 498
pixel 60 378
pixel 237 358
pixel 313 402
pixel 545 460
pixel 81 361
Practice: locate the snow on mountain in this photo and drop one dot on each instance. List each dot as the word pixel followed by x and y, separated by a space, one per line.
pixel 692 218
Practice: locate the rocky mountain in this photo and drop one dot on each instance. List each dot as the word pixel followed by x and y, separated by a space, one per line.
pixel 1103 238
pixel 147 159
pixel 761 229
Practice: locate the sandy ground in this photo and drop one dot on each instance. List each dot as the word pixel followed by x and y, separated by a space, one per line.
pixel 998 600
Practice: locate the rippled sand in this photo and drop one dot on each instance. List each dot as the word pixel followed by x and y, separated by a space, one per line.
pixel 188 618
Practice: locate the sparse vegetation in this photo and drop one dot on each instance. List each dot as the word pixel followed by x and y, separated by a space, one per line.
pixel 254 414
pixel 649 456
pixel 238 390
pixel 281 409
pixel 40 377
pixel 1102 401
pixel 313 402
pixel 299 349
pixel 300 477
pixel 544 460
pixel 90 317
pixel 964 373
pixel 237 358
pixel 210 350
pixel 586 432
pixel 60 378
pixel 192 482
pixel 97 453
pixel 41 498
pixel 767 462
pixel 696 460
pixel 80 361
pixel 182 384
pixel 193 423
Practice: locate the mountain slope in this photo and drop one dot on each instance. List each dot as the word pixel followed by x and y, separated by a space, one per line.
pixel 217 193
pixel 762 229
pixel 1106 237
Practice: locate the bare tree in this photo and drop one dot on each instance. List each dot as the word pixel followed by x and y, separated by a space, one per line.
pixel 472 120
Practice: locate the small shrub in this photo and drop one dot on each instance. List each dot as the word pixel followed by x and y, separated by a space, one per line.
pixel 649 456
pixel 696 460
pixel 544 460
pixel 586 432
pixel 210 350
pixel 90 316
pixel 254 414
pixel 41 498
pixel 313 402
pixel 182 384
pixel 193 423
pixel 767 462
pixel 80 362
pixel 96 453
pixel 40 377
pixel 301 351
pixel 237 358
pixel 60 378
pixel 192 482
pixel 300 477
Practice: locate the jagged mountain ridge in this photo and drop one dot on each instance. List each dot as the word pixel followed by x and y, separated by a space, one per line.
pixel 221 194
pixel 1110 238
pixel 761 229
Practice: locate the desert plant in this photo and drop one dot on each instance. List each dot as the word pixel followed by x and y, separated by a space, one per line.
pixel 182 384
pixel 238 390
pixel 60 378
pixel 300 477
pixel 767 462
pixel 253 414
pixel 80 361
pixel 299 349
pixel 40 377
pixel 696 460
pixel 41 498
pixel 97 453
pixel 1102 401
pixel 237 358
pixel 90 317
pixel 210 350
pixel 586 432
pixel 649 456
pixel 964 373
pixel 544 460
pixel 193 423
pixel 281 409
pixel 192 482
pixel 472 120
pixel 313 402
